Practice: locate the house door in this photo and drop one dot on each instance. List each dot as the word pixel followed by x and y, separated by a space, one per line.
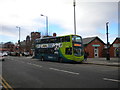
pixel 117 52
pixel 96 54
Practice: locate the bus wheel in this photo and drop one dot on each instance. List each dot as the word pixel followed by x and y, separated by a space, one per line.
pixel 42 58
pixel 60 60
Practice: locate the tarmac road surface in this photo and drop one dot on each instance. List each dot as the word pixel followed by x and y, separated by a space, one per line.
pixel 24 72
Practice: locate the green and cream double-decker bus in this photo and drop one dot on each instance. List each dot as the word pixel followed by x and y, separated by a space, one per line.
pixel 68 48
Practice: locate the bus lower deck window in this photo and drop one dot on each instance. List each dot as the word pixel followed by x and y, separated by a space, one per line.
pixel 68 51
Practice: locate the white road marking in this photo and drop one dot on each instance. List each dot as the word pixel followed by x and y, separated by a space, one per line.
pixel 22 62
pixel 34 65
pixel 111 80
pixel 12 59
pixel 64 71
pixel 28 57
pixel 28 63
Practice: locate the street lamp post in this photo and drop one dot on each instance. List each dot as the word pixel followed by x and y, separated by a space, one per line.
pixel 19 38
pixel 46 23
pixel 74 4
pixel 108 55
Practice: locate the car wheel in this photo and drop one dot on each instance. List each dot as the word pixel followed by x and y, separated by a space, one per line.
pixel 3 59
pixel 42 59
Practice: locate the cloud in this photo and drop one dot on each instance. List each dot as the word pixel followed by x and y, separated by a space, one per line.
pixel 90 16
pixel 4 31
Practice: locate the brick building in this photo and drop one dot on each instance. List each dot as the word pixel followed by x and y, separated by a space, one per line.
pixel 35 35
pixel 22 46
pixel 115 48
pixel 9 46
pixel 28 44
pixel 94 46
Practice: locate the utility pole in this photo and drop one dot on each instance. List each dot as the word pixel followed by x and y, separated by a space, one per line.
pixel 108 54
pixel 19 39
pixel 74 4
pixel 46 24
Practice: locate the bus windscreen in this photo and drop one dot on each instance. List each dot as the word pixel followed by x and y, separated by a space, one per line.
pixel 76 39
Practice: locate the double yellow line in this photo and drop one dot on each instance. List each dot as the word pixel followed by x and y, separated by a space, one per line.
pixel 5 84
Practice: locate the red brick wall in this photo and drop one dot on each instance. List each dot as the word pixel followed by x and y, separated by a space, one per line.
pixel 90 49
pixel 112 49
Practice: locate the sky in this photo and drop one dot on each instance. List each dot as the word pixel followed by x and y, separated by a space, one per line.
pixel 91 18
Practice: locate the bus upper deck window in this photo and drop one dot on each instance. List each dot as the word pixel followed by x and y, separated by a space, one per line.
pixel 41 41
pixel 61 39
pixel 52 40
pixel 56 40
pixel 76 39
pixel 67 39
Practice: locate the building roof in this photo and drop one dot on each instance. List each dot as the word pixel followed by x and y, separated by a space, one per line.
pixel 117 38
pixel 90 39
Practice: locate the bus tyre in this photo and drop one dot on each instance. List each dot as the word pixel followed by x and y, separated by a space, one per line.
pixel 42 58
pixel 60 60
pixel 3 59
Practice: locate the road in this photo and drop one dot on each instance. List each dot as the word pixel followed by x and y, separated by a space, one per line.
pixel 24 72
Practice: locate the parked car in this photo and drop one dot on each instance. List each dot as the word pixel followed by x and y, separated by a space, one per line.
pixel 26 54
pixel 12 53
pixel 2 58
pixel 5 54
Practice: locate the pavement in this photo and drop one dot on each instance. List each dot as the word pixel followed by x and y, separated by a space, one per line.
pixel 103 61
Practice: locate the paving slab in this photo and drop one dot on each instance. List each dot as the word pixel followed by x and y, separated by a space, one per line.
pixel 103 61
